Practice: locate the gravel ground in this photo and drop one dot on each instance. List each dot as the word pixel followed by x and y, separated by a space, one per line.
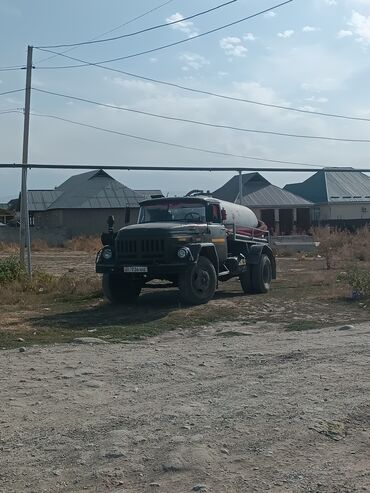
pixel 231 408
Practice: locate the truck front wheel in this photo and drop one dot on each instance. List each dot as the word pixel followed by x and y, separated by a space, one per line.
pixel 198 283
pixel 118 289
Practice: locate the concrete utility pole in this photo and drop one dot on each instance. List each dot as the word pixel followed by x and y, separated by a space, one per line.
pixel 25 239
pixel 240 187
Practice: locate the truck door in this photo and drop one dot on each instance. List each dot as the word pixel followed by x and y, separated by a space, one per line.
pixel 218 231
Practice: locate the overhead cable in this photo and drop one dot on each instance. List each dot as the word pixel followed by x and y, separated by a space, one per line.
pixel 204 124
pixel 204 168
pixel 11 92
pixel 176 43
pixel 172 144
pixel 214 94
pixel 124 24
pixel 6 112
pixel 141 31
pixel 12 69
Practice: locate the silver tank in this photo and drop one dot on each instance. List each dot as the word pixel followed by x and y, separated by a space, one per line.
pixel 239 215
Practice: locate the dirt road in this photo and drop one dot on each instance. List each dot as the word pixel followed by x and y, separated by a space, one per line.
pixel 228 408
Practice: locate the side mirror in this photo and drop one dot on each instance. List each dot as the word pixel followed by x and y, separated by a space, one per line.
pixel 110 223
pixel 223 214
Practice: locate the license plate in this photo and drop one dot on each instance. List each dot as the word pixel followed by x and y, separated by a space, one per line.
pixel 135 268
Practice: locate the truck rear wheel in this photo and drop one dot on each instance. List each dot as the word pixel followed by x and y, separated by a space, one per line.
pixel 198 283
pixel 245 279
pixel 262 275
pixel 257 278
pixel 118 289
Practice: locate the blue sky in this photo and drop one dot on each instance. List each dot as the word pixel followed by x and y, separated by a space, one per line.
pixel 310 54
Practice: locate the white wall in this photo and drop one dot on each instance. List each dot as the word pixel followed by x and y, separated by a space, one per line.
pixel 335 212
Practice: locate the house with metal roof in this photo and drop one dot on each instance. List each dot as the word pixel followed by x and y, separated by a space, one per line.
pixel 284 212
pixel 82 204
pixel 6 215
pixel 341 198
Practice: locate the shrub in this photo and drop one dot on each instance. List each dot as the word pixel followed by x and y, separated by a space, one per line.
pixel 332 244
pixel 10 270
pixel 358 280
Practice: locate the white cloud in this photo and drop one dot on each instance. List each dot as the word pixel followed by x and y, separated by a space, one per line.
pixel 343 33
pixel 331 2
pixel 308 108
pixel 320 84
pixel 233 46
pixel 186 27
pixel 310 29
pixel 153 60
pixel 317 99
pixel 249 37
pixel 270 14
pixel 286 34
pixel 360 24
pixel 193 61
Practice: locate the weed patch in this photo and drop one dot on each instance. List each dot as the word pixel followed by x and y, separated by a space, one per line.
pixel 302 325
pixel 10 270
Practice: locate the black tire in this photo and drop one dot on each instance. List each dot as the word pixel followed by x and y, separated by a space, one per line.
pixel 262 275
pixel 198 283
pixel 118 289
pixel 245 279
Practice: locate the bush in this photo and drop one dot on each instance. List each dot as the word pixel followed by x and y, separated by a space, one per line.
pixel 336 245
pixel 358 280
pixel 11 270
pixel 331 243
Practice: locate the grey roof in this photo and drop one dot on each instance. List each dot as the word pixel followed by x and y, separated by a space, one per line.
pixel 40 200
pixel 259 192
pixel 149 193
pixel 328 186
pixel 92 190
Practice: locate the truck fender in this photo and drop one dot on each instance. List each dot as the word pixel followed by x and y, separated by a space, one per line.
pixel 207 250
pixel 254 256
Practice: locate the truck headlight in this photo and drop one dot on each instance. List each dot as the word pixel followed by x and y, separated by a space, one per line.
pixel 107 254
pixel 183 252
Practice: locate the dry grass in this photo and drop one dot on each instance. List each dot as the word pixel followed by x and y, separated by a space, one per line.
pixel 48 288
pixel 83 244
pixel 342 247
pixel 78 244
pixel 40 246
pixel 8 247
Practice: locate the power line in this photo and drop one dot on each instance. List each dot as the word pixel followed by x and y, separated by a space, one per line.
pixel 181 168
pixel 6 112
pixel 11 69
pixel 171 144
pixel 205 124
pixel 124 24
pixel 152 28
pixel 11 92
pixel 175 43
pixel 214 94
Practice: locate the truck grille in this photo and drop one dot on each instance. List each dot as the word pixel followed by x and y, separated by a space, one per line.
pixel 145 249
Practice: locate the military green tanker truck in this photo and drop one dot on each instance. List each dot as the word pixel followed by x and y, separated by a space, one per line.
pixel 192 243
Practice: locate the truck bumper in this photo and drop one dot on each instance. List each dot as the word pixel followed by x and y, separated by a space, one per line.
pixel 154 270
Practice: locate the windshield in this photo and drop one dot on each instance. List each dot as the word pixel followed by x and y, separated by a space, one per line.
pixel 173 211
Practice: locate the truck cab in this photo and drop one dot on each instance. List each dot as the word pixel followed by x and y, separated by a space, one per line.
pixel 192 243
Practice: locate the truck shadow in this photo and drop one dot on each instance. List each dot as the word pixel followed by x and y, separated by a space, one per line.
pixel 150 307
